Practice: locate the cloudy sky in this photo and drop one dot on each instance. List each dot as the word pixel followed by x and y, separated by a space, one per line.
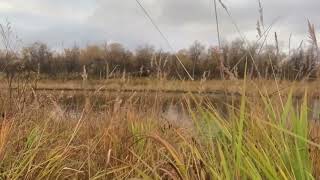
pixel 63 23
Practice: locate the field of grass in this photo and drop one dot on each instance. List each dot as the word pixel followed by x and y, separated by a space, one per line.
pixel 257 138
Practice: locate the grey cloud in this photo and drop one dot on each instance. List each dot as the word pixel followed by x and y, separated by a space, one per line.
pixel 189 12
pixel 182 21
pixel 123 21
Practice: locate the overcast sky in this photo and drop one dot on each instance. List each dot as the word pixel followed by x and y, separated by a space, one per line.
pixel 63 23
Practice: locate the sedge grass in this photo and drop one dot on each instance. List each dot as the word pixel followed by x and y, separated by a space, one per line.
pixel 257 139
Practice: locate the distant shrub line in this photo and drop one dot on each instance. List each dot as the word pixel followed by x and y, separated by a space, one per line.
pixel 114 61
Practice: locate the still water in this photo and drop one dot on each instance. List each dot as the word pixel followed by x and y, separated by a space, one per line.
pixel 173 107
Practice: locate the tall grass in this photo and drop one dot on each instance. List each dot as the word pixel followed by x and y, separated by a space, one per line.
pixel 257 139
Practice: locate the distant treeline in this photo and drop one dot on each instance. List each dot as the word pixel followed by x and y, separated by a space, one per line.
pixel 232 60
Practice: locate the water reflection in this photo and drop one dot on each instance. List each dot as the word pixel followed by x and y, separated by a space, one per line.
pixel 316 109
pixel 171 107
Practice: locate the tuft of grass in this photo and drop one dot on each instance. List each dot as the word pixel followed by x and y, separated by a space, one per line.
pixel 5 129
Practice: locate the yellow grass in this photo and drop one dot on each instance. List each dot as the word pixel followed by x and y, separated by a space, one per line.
pixel 130 137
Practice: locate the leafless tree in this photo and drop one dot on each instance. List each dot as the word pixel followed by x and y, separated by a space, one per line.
pixel 11 64
pixel 195 52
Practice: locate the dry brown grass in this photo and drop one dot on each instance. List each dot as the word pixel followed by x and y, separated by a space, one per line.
pixel 128 137
pixel 5 129
pixel 208 86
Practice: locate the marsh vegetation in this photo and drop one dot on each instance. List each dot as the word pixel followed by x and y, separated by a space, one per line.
pixel 239 110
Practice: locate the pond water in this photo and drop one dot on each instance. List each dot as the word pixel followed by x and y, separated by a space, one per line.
pixel 170 106
pixel 316 109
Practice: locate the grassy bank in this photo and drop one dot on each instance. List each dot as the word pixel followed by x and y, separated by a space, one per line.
pixel 261 138
pixel 205 86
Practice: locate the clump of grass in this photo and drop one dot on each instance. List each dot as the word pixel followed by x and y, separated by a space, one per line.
pixel 5 129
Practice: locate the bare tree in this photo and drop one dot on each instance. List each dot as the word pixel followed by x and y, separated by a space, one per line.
pixel 195 52
pixel 11 64
pixel 143 59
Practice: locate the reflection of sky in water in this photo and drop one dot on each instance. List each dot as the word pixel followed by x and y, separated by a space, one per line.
pixel 177 116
